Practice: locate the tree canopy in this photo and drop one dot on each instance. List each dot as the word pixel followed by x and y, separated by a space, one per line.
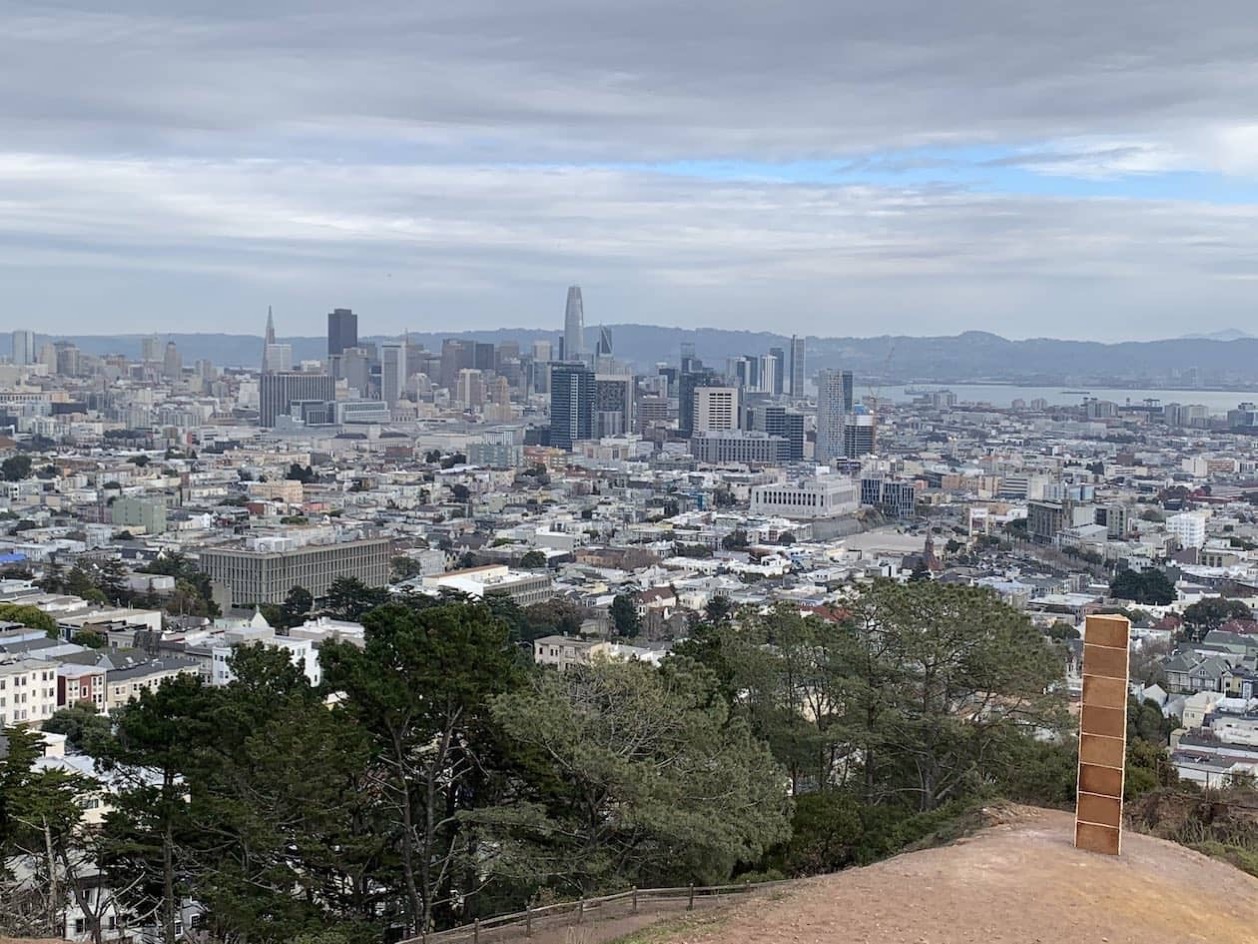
pixel 1150 587
pixel 438 775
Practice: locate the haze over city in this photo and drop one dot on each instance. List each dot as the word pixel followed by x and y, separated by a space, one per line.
pixel 831 168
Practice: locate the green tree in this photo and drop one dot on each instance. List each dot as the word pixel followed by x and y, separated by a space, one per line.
pixel 296 607
pixel 45 813
pixel 956 670
pixel 404 567
pixel 191 598
pixel 638 776
pixel 719 609
pixel 1149 587
pixel 90 639
pixel 30 616
pixel 111 580
pixel 1061 631
pixel 348 598
pixel 150 758
pixel 39 810
pixel 86 730
pixel 1210 613
pixel 420 688
pixel 700 551
pixel 52 580
pixel 533 560
pixel 624 616
pixel 1145 722
pixel 81 582
pixel 913 698
pixel 556 616
pixel 284 836
pixel 16 468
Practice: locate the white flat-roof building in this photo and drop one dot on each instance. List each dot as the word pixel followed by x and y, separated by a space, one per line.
pixel 822 496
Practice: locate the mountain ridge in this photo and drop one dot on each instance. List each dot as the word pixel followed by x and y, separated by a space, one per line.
pixel 972 356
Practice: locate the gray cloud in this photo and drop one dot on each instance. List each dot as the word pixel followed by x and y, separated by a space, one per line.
pixel 206 158
pixel 556 78
pixel 411 244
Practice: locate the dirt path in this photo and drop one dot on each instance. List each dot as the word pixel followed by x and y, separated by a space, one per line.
pixel 1021 882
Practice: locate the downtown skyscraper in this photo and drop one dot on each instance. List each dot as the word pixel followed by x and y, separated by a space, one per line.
pixel 23 351
pixel 796 386
pixel 571 404
pixel 574 326
pixel 834 402
pixel 342 330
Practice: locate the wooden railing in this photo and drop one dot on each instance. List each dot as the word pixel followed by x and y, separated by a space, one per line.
pixel 523 923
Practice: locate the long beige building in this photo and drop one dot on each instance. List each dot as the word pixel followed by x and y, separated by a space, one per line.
pixel 255 577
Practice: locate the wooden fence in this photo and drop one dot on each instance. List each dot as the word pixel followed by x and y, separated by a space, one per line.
pixel 524 923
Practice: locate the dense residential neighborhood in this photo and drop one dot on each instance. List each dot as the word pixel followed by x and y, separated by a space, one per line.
pixel 161 519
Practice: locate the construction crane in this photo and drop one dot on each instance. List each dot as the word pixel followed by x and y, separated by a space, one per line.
pixel 875 390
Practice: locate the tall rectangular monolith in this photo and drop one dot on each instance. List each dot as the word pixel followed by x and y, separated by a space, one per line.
pixel 1102 735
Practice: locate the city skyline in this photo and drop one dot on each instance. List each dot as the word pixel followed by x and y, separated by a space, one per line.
pixel 819 166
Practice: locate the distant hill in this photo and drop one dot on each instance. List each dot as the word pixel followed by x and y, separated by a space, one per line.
pixel 969 357
pixel 1228 334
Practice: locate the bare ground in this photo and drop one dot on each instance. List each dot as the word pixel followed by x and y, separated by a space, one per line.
pixel 1019 882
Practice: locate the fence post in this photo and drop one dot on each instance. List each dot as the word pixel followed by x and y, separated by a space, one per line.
pixel 635 900
pixel 476 931
pixel 580 911
pixel 690 905
pixel 528 921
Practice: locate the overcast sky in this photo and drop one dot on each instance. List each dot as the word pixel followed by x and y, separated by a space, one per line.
pixel 1072 169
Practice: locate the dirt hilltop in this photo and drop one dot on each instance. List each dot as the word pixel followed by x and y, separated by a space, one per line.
pixel 1020 881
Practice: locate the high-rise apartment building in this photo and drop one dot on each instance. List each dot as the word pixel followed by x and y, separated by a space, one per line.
pixel 172 362
pixel 342 330
pixel 860 433
pixel 470 389
pixel 797 367
pixel 151 349
pixel 574 326
pixel 571 404
pixel 355 370
pixel 456 355
pixel 779 421
pixel 23 350
pixel 613 405
pixel 688 384
pixel 832 408
pixel 67 358
pixel 278 390
pixel 779 370
pixel 716 408
pixel 392 373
